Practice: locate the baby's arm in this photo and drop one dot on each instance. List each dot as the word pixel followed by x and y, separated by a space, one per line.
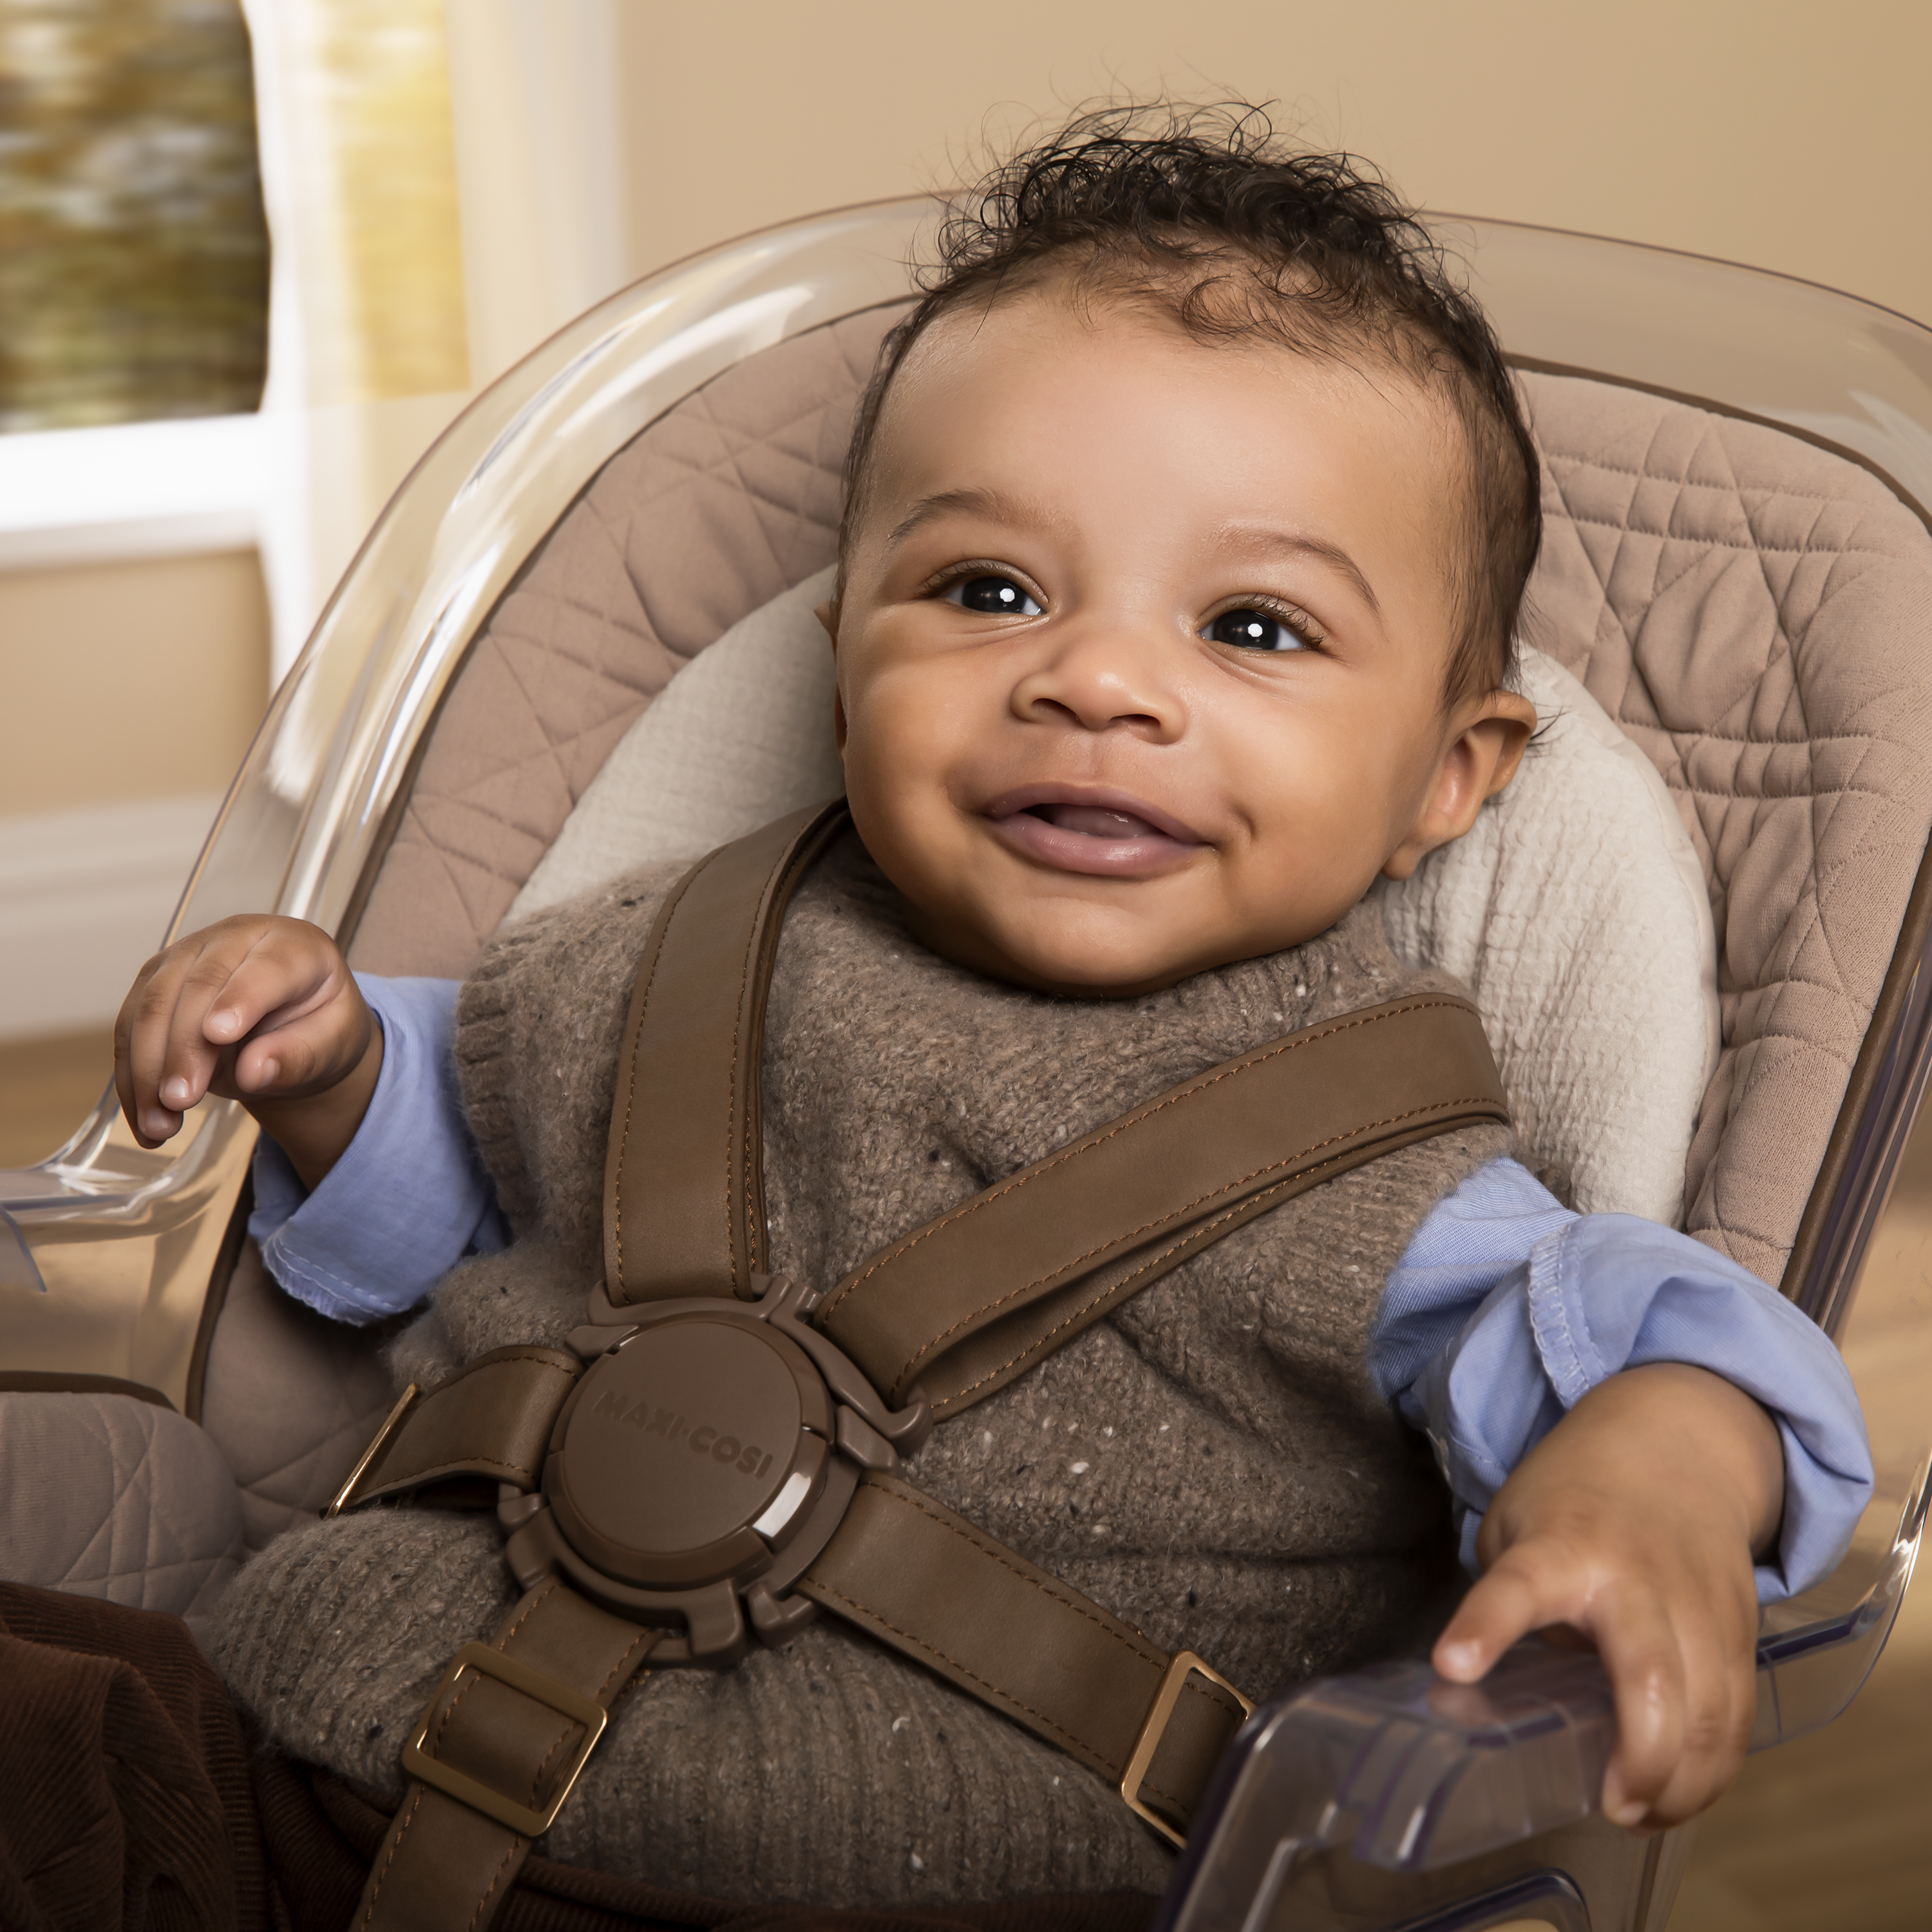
pixel 260 1010
pixel 409 1197
pixel 1634 1523
pixel 1549 1358
pixel 367 1184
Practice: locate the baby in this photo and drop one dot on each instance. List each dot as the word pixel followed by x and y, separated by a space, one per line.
pixel 1188 518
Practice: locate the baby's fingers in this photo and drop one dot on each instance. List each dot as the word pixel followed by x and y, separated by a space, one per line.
pixel 1640 1651
pixel 1685 1702
pixel 159 1073
pixel 194 1002
pixel 1516 1595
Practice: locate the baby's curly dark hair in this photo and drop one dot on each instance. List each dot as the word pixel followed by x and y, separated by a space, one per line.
pixel 1203 216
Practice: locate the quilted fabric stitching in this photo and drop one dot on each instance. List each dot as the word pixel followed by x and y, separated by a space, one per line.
pixel 1579 459
pixel 139 1548
pixel 1762 758
pixel 1628 530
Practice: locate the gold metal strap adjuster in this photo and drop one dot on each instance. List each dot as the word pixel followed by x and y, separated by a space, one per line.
pixel 547 1691
pixel 1154 1728
pixel 392 1423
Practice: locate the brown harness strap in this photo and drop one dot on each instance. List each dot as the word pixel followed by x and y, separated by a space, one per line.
pixel 493 1758
pixel 696 1030
pixel 975 1297
pixel 934 1586
pixel 491 1420
pixel 959 1307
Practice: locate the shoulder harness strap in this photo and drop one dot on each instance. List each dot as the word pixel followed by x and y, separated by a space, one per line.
pixel 697 1030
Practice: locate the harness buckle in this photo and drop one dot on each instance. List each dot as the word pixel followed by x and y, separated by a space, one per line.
pixel 701 1463
pixel 524 1819
pixel 1153 1729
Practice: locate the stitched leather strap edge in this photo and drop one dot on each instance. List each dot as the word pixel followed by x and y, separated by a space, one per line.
pixel 445 1866
pixel 1253 1130
pixel 695 1030
pixel 491 1419
pixel 935 1587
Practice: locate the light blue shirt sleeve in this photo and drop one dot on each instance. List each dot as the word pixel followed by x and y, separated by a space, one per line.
pixel 408 1198
pixel 1508 1308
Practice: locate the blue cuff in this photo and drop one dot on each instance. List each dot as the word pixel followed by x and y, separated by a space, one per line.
pixel 1773 1352
pixel 1466 1244
pixel 408 1198
pixel 1612 1291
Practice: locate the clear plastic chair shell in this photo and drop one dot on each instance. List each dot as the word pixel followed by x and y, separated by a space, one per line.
pixel 106 1250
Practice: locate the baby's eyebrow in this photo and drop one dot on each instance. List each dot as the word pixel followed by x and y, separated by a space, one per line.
pixel 1258 540
pixel 988 503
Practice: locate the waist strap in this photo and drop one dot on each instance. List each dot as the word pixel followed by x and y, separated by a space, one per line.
pixel 921 1579
pixel 935 1587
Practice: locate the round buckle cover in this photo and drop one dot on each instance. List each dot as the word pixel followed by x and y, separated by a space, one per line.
pixel 683 1457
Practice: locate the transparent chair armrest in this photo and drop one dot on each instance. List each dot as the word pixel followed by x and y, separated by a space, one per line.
pixel 17 1269
pixel 107 1249
pixel 1404 1770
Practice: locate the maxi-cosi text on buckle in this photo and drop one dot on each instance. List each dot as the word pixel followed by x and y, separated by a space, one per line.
pixel 700 1465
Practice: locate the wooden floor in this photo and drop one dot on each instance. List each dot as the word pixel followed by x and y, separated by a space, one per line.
pixel 46 1087
pixel 1830 1834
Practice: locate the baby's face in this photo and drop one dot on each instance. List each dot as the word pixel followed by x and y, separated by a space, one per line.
pixel 1142 646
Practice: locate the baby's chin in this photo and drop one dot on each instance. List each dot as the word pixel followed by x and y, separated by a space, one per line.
pixel 1075 960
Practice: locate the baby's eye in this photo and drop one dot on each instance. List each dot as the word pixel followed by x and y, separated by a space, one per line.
pixel 1253 630
pixel 999 595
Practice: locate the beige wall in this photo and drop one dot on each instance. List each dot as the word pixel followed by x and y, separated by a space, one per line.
pixel 138 680
pixel 1792 134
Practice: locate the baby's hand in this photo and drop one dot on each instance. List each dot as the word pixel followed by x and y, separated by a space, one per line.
pixel 1632 1524
pixel 260 1010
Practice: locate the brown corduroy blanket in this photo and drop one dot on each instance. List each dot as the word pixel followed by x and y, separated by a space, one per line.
pixel 124 1790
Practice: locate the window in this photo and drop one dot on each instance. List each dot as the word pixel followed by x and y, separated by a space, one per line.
pixel 134 251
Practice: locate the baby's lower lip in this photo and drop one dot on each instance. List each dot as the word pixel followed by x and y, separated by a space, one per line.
pixel 1087 839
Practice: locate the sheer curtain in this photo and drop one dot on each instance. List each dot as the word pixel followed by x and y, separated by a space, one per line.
pixel 444 185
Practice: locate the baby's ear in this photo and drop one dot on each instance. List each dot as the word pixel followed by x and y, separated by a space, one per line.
pixel 827 614
pixel 1480 757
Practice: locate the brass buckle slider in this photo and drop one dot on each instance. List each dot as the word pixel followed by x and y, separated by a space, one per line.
pixel 1153 1728
pixel 392 1423
pixel 522 1818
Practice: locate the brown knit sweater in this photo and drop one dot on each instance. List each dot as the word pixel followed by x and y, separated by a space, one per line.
pixel 1211 1463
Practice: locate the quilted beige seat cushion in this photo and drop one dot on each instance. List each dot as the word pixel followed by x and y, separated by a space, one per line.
pixel 1755 611
pixel 106 1496
pixel 730 499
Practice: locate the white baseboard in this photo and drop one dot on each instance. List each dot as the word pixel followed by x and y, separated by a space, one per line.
pixel 85 897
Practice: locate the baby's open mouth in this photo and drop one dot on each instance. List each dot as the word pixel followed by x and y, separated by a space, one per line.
pixel 1116 837
pixel 1094 821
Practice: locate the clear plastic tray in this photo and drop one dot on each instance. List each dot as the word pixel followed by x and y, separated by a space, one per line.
pixel 1406 1772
